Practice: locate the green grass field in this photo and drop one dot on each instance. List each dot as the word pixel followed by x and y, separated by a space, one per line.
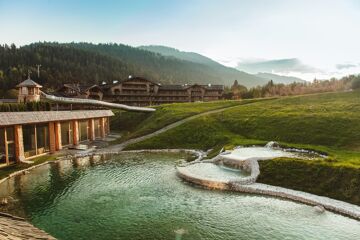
pixel 328 122
pixel 134 124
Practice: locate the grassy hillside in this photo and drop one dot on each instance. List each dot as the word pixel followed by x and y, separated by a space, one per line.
pixel 325 122
pixel 134 124
pixel 329 119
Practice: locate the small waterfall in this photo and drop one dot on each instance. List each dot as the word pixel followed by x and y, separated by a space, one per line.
pixel 272 144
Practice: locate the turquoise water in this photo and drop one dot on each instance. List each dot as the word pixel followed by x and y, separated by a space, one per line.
pixel 139 196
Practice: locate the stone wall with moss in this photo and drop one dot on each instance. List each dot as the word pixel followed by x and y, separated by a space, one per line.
pixel 342 183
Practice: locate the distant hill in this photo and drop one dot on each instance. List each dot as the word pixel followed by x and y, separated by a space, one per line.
pixel 187 56
pixel 228 74
pixel 278 78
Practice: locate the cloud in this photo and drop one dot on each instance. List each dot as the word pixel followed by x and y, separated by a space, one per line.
pixel 346 65
pixel 278 65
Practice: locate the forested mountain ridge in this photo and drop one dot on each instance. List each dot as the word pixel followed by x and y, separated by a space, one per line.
pixel 93 63
pixel 173 52
pixel 59 64
pixel 224 72
pixel 198 58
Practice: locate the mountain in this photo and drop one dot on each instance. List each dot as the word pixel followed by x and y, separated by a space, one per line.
pixel 88 63
pixel 187 56
pixel 279 78
pixel 228 74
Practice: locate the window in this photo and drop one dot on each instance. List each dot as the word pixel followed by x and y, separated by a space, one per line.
pixel 29 140
pixel 66 133
pixel 7 145
pixel 31 91
pixel 24 90
pixel 2 146
pixel 83 130
pixel 97 128
pixel 36 139
pixel 42 138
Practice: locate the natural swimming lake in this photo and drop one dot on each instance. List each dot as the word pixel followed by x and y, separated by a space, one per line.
pixel 139 196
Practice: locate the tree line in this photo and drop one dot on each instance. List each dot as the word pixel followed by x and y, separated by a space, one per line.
pixel 238 91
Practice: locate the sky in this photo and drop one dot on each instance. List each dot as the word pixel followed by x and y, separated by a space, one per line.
pixel 321 35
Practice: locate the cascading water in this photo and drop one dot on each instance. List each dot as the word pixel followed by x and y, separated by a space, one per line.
pixel 272 144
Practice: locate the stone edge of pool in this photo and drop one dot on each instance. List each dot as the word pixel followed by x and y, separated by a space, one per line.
pixel 12 227
pixel 249 185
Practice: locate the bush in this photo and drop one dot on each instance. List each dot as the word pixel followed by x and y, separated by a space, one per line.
pixel 355 84
pixel 29 106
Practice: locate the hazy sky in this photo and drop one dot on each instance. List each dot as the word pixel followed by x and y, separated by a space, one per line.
pixel 320 33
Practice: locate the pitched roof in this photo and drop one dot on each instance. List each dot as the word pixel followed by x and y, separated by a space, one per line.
pixel 79 88
pixel 84 88
pixel 28 83
pixel 13 118
pixel 171 87
pixel 186 86
pixel 214 87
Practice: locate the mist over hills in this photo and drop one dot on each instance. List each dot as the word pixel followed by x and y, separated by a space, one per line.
pixel 278 78
pixel 228 74
pixel 265 76
pixel 277 65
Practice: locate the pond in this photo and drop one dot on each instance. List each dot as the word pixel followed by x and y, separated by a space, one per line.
pixel 139 196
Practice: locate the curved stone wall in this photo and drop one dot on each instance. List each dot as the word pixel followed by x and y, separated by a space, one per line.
pixel 249 185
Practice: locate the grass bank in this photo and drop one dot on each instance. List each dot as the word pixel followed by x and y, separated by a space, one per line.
pixel 135 124
pixel 319 177
pixel 4 172
pixel 327 122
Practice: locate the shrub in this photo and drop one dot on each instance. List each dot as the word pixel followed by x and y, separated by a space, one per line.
pixel 355 84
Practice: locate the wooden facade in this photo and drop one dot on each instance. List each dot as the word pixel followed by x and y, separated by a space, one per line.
pixel 24 135
pixel 137 91
pixel 28 91
pixel 81 91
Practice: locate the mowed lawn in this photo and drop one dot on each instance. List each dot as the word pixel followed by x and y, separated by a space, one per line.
pixel 135 124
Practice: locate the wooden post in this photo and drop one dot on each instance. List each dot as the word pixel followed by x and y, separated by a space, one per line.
pixel 19 143
pixel 52 137
pixel 102 127
pixel 6 147
pixel 58 143
pixel 75 132
pixel 92 129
